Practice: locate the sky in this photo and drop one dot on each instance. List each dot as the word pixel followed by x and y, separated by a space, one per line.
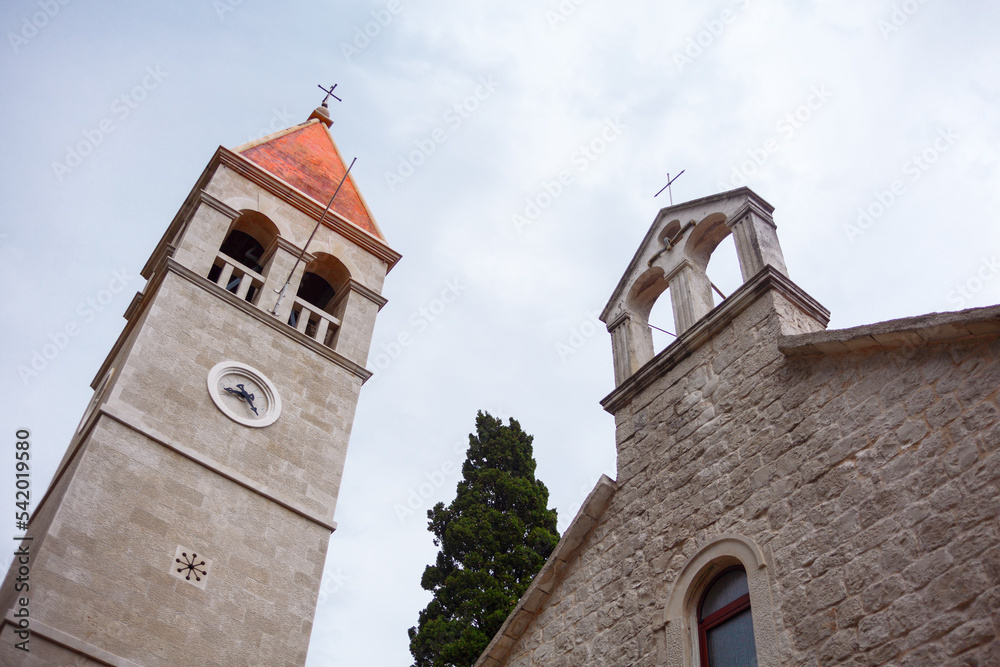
pixel 510 151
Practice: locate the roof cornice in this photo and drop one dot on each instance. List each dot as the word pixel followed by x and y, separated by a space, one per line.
pixel 551 574
pixel 907 333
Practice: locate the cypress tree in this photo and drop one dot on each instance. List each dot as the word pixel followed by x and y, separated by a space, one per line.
pixel 493 538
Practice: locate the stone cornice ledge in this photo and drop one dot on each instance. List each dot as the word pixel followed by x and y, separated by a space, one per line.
pixel 168 266
pixel 219 205
pixel 548 578
pixel 931 329
pixel 367 292
pixel 719 318
pixel 71 643
pixel 268 319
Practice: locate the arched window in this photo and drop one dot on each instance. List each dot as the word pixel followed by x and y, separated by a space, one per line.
pixel 315 290
pixel 244 249
pixel 725 627
pixel 707 618
pixel 241 259
pixel 315 309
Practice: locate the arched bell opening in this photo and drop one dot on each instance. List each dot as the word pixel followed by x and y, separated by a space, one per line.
pixel 315 290
pixel 245 249
pixel 671 233
pixel 662 326
pixel 724 270
pixel 319 299
pixel 712 249
pixel 643 296
pixel 244 254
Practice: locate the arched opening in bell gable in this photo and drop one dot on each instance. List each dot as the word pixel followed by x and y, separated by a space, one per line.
pixel 661 323
pixel 712 248
pixel 649 301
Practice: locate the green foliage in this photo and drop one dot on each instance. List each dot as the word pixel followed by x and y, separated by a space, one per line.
pixel 494 538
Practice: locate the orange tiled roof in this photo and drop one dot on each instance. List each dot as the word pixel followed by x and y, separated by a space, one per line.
pixel 307 159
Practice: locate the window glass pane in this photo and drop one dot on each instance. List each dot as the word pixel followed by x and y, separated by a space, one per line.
pixel 730 644
pixel 727 588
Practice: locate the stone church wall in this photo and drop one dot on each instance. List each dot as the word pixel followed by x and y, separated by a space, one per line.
pixel 868 479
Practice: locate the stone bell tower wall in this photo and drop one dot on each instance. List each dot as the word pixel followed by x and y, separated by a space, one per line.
pixel 95 583
pixel 195 325
pixel 160 470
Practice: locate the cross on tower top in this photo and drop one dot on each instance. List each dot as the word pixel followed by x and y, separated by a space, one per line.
pixel 329 94
pixel 670 181
pixel 322 112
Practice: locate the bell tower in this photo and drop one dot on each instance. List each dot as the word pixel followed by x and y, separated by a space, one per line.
pixel 189 520
pixel 675 254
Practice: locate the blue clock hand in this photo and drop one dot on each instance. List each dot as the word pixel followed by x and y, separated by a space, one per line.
pixel 248 397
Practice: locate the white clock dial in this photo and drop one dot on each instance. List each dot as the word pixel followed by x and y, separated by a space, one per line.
pixel 244 394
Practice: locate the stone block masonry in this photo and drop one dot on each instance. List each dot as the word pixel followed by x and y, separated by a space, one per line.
pixel 864 465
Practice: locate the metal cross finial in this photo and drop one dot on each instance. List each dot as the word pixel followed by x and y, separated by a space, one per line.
pixel 329 94
pixel 667 187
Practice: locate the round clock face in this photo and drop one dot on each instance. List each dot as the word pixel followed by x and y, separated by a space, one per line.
pixel 244 394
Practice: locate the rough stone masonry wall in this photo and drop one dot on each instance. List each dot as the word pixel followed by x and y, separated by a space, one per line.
pixel 870 480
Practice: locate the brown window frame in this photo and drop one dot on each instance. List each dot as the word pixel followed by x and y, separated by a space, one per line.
pixel 717 618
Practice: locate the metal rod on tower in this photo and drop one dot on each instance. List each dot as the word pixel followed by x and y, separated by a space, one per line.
pixel 284 288
pixel 717 290
pixel 651 326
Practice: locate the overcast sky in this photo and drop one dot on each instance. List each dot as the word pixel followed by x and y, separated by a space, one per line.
pixel 871 126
